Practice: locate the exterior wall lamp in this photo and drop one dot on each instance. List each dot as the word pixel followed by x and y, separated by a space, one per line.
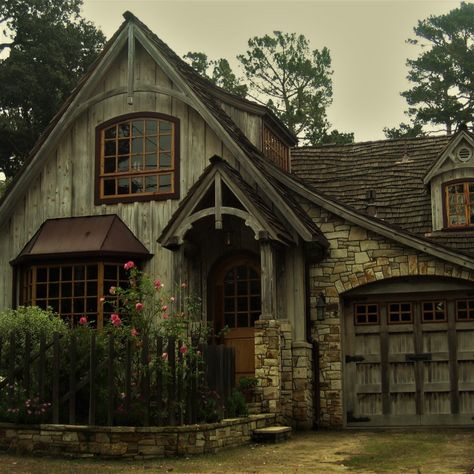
pixel 321 307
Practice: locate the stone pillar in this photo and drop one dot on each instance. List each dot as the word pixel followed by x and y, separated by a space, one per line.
pixel 286 399
pixel 328 334
pixel 303 415
pixel 268 364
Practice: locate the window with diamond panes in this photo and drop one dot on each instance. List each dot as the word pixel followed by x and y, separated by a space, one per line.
pixel 242 297
pixel 465 310
pixel 433 311
pixel 138 159
pixel 366 314
pixel 400 313
pixel 73 290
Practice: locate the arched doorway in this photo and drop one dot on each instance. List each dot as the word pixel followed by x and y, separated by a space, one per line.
pixel 235 304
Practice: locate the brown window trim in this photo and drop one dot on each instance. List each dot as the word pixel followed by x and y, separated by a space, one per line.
pixel 367 323
pixel 399 303
pixel 175 172
pixel 469 226
pixel 31 273
pixel 467 301
pixel 429 321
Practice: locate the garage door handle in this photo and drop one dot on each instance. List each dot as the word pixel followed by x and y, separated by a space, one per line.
pixel 354 358
pixel 415 357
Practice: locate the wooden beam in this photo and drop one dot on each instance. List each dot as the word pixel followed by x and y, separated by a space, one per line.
pixel 268 280
pixel 218 202
pixel 131 64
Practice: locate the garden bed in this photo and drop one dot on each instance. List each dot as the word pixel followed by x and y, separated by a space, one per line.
pixel 128 441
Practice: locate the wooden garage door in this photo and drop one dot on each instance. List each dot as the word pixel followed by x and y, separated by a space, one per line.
pixel 410 361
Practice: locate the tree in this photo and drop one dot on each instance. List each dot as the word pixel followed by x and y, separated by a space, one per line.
pixel 334 137
pixel 50 47
pixel 443 74
pixel 292 80
pixel 405 130
pixel 218 72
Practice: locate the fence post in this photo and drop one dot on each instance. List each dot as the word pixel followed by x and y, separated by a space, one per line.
pixel 72 380
pixel 160 392
pixel 55 377
pixel 92 369
pixel 11 365
pixel 179 385
pixel 110 381
pixel 41 367
pixel 26 365
pixel 128 376
pixel 146 381
pixel 172 380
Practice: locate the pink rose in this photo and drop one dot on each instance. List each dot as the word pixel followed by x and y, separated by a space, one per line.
pixel 158 284
pixel 164 308
pixel 183 349
pixel 129 265
pixel 164 356
pixel 115 319
pixel 172 299
pixel 165 316
pixel 134 332
pixel 139 306
pixel 83 320
pixel 184 285
pixel 112 290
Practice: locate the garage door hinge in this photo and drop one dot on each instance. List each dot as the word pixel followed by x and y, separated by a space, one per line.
pixel 354 358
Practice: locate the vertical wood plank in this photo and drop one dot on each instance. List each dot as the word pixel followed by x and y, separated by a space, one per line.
pixel 11 365
pixel 26 365
pixel 172 380
pixel 384 360
pixel 72 380
pixel 92 376
pixel 453 358
pixel 418 343
pixel 55 401
pixel 110 380
pixel 160 389
pixel 146 381
pixel 41 367
pixel 128 375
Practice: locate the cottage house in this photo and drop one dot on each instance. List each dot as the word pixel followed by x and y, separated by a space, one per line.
pixel 345 273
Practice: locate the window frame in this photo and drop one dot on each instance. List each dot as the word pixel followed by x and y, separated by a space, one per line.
pixel 175 194
pixel 467 205
pixel 275 148
pixel 30 272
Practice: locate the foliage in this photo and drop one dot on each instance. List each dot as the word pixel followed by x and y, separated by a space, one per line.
pixel 292 80
pixel 3 186
pixel 50 47
pixel 217 71
pixel 405 130
pixel 31 320
pixel 443 74
pixel 19 408
pixel 236 405
pixel 247 383
pixel 336 138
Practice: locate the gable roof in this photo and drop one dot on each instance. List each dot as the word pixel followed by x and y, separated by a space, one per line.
pixel 192 89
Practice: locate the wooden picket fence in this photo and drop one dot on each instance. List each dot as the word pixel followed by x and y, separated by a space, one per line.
pixel 115 380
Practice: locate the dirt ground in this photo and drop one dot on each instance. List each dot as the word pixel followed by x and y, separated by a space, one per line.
pixel 400 451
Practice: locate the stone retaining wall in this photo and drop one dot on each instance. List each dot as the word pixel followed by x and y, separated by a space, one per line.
pixel 131 442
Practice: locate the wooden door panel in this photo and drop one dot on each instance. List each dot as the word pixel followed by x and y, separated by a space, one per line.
pixel 242 340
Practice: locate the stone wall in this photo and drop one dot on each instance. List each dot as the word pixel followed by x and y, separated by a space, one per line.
pixel 356 257
pixel 130 442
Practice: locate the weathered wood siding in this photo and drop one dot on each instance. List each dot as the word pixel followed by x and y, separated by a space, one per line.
pixel 250 124
pixel 65 187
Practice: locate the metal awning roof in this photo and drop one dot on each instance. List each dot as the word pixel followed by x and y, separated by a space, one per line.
pixel 80 237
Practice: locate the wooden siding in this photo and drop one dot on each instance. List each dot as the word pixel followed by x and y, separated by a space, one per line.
pixel 65 186
pixel 250 124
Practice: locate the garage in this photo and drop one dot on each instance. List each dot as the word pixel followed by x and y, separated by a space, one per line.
pixel 409 353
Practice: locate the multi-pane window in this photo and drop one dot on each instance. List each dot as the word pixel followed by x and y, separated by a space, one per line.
pixel 366 313
pixel 73 290
pixel 242 300
pixel 275 149
pixel 433 311
pixel 138 159
pixel 465 310
pixel 400 313
pixel 459 204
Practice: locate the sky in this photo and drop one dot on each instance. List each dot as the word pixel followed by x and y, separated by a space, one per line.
pixel 366 39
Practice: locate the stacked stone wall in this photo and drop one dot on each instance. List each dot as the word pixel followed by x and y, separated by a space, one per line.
pixel 130 442
pixel 356 257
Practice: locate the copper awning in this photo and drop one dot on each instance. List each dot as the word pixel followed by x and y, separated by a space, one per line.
pixel 81 237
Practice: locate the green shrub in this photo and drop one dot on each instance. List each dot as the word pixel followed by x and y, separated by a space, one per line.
pixel 236 405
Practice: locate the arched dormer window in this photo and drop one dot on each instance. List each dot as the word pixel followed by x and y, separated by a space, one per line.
pixel 137 158
pixel 459 204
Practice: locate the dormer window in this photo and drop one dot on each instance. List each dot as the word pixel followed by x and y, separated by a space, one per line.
pixel 275 149
pixel 459 204
pixel 137 159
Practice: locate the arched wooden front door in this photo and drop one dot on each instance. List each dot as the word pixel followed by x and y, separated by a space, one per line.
pixel 237 304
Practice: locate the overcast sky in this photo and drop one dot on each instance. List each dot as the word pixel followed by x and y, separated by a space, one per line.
pixel 366 39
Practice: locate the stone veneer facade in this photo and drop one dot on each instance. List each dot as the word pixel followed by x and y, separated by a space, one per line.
pixel 356 257
pixel 130 442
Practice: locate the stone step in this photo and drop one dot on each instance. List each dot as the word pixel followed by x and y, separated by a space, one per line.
pixel 271 434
